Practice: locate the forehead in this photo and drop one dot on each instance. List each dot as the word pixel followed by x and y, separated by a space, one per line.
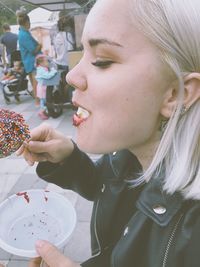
pixel 111 17
pixel 114 21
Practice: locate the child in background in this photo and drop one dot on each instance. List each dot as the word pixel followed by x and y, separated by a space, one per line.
pixel 13 74
pixel 43 72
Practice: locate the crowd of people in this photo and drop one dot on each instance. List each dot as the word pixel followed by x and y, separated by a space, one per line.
pixel 30 49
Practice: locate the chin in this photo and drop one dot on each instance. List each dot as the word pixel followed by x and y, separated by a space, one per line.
pixel 94 143
pixel 87 147
pixel 92 147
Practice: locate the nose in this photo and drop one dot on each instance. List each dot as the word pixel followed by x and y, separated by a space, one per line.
pixel 77 78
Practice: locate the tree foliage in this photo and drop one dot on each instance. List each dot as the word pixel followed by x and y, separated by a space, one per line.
pixel 8 9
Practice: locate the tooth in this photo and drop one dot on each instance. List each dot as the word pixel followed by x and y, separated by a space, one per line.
pixel 82 113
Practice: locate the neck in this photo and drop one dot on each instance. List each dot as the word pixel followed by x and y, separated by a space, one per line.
pixel 146 151
pixel 25 28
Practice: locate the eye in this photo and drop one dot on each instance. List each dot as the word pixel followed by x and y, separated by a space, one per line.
pixel 102 63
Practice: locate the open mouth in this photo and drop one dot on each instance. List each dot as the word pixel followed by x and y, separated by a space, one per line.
pixel 80 116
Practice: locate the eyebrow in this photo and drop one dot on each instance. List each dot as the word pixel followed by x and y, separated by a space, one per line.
pixel 95 42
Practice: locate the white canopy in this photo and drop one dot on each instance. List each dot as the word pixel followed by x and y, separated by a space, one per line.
pixel 40 17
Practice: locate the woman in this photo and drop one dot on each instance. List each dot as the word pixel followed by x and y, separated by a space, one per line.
pixel 29 47
pixel 61 47
pixel 137 87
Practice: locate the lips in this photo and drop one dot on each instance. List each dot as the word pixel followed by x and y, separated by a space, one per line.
pixel 80 116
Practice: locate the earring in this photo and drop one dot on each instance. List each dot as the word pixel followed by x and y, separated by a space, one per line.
pixel 184 109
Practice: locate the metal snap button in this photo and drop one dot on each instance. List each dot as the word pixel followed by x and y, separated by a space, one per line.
pixel 114 153
pixel 158 209
pixel 126 231
pixel 103 188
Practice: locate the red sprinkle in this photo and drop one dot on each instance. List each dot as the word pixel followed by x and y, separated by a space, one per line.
pixel 25 195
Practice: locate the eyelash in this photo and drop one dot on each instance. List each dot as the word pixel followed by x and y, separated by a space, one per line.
pixel 102 64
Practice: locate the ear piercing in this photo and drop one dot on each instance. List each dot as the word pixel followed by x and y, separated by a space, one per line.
pixel 164 122
pixel 184 109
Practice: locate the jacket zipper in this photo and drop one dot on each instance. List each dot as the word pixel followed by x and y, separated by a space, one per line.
pixel 95 230
pixel 170 241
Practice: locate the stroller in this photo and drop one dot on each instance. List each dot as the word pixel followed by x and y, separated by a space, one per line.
pixel 15 87
pixel 58 93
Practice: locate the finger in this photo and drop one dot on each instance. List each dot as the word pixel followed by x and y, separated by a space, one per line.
pixel 37 146
pixel 40 132
pixel 35 262
pixel 2 265
pixel 28 157
pixel 50 254
pixel 19 152
pixel 31 158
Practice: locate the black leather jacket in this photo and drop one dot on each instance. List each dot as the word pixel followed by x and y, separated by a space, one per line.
pixel 138 227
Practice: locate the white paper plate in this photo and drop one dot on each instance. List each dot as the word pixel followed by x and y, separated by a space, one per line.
pixel 35 214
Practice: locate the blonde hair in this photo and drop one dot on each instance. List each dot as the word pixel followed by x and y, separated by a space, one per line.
pixel 174 27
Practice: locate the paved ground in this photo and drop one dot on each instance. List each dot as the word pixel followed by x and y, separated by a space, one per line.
pixel 16 175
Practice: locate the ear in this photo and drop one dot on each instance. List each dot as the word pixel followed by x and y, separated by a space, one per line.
pixel 191 94
pixel 169 100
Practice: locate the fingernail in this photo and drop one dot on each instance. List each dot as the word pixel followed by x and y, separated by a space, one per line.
pixel 39 243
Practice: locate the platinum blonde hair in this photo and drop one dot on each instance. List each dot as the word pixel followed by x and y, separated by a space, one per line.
pixel 174 27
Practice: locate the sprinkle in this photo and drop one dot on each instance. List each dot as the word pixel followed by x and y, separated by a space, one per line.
pixel 25 196
pixel 13 132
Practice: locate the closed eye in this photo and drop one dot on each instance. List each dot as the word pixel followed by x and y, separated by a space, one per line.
pixel 102 63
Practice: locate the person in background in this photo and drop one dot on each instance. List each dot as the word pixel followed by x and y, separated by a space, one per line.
pixel 29 48
pixel 67 19
pixel 61 47
pixel 13 74
pixel 137 91
pixel 9 41
pixel 63 43
pixel 43 72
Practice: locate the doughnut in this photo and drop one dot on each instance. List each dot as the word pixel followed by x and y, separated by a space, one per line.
pixel 13 132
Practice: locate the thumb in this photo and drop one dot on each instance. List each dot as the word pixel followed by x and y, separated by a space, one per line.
pixel 51 255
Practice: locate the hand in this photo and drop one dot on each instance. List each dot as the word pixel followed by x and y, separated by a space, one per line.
pixel 50 256
pixel 46 144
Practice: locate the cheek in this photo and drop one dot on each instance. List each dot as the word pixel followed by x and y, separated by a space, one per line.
pixel 122 122
pixel 124 97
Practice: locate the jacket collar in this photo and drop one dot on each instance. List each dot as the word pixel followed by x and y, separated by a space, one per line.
pixel 157 204
pixel 153 201
pixel 125 164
